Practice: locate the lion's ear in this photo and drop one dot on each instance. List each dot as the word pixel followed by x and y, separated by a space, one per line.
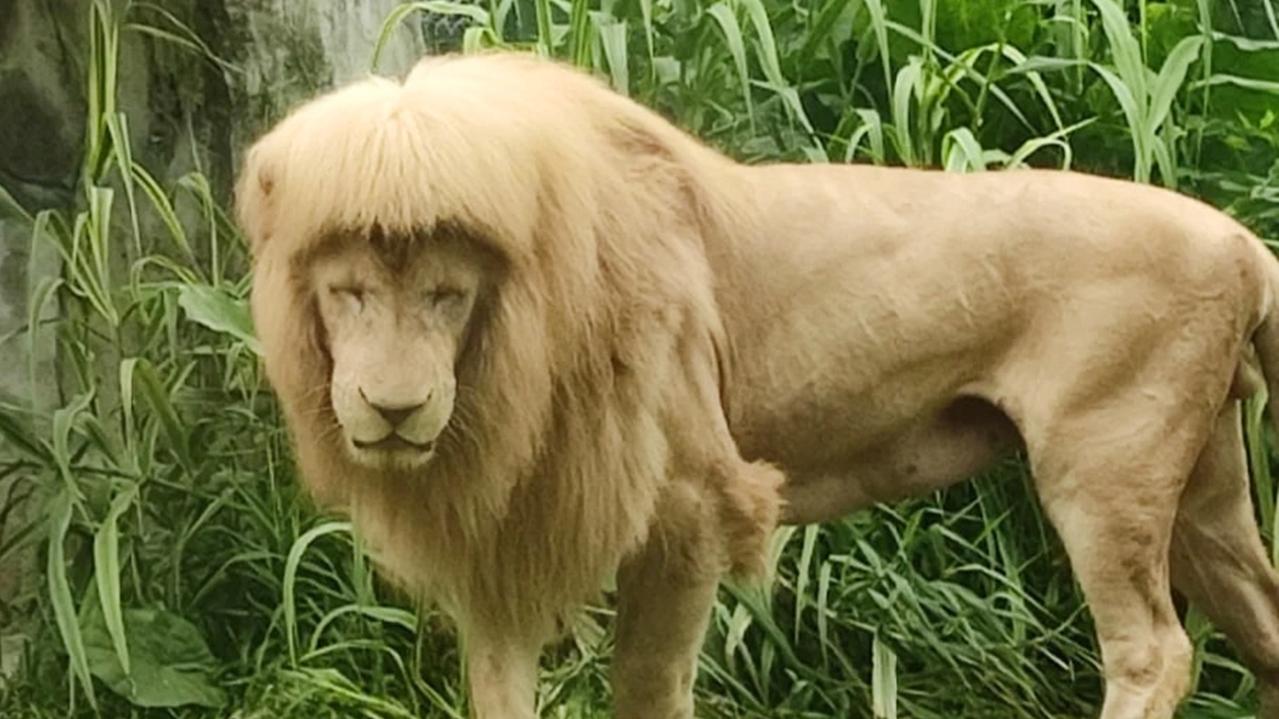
pixel 253 196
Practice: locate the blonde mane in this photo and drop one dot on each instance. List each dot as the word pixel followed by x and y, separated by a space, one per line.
pixel 557 457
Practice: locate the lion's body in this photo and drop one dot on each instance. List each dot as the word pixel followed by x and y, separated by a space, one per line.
pixel 896 293
pixel 894 331
pixel 661 310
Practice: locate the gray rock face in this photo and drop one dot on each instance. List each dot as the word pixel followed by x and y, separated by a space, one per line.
pixel 180 106
pixel 40 93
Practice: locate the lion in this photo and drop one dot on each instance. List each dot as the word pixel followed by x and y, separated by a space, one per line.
pixel 529 334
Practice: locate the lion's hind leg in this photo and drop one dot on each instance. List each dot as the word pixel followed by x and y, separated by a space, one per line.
pixel 1218 560
pixel 1109 482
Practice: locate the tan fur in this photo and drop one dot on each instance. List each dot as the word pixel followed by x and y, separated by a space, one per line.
pixel 876 333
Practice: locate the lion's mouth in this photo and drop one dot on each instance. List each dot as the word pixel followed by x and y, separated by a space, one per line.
pixel 394 442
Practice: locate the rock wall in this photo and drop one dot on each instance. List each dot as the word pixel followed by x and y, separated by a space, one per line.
pixel 183 108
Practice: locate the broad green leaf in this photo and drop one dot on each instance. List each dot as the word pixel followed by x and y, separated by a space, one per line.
pixel 170 662
pixel 220 312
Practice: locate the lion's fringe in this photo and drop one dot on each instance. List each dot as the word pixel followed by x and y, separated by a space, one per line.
pixel 599 208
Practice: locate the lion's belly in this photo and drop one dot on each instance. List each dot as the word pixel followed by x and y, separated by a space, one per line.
pixel 932 452
pixel 859 425
pixel 815 424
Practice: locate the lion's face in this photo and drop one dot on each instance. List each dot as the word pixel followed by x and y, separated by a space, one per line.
pixel 395 314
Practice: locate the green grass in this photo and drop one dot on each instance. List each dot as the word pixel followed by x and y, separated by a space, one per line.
pixel 169 518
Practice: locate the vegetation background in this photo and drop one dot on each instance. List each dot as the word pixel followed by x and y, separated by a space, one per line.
pixel 182 574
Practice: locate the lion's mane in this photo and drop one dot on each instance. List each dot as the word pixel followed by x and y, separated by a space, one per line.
pixel 557 458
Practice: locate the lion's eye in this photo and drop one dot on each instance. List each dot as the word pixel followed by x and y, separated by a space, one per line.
pixel 443 296
pixel 349 294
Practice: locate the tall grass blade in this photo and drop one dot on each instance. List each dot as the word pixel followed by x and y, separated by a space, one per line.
pixel 905 88
pixel 1135 115
pixel 1124 48
pixel 723 16
pixel 961 152
pixel 579 33
pixel 883 680
pixel 545 32
pixel 64 610
pixel 879 23
pixel 1170 79
pixel 612 34
pixel 158 397
pixel 290 579
pixel 1248 83
pixel 106 561
pixel 476 14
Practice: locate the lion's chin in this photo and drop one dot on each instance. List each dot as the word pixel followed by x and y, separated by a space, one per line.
pixel 390 457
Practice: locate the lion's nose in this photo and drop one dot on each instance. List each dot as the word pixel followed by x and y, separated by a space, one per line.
pixel 394 414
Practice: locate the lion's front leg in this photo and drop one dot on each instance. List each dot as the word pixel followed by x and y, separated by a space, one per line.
pixel 665 594
pixel 502 675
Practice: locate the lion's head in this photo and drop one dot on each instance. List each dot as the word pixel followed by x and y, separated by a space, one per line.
pixel 396 314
